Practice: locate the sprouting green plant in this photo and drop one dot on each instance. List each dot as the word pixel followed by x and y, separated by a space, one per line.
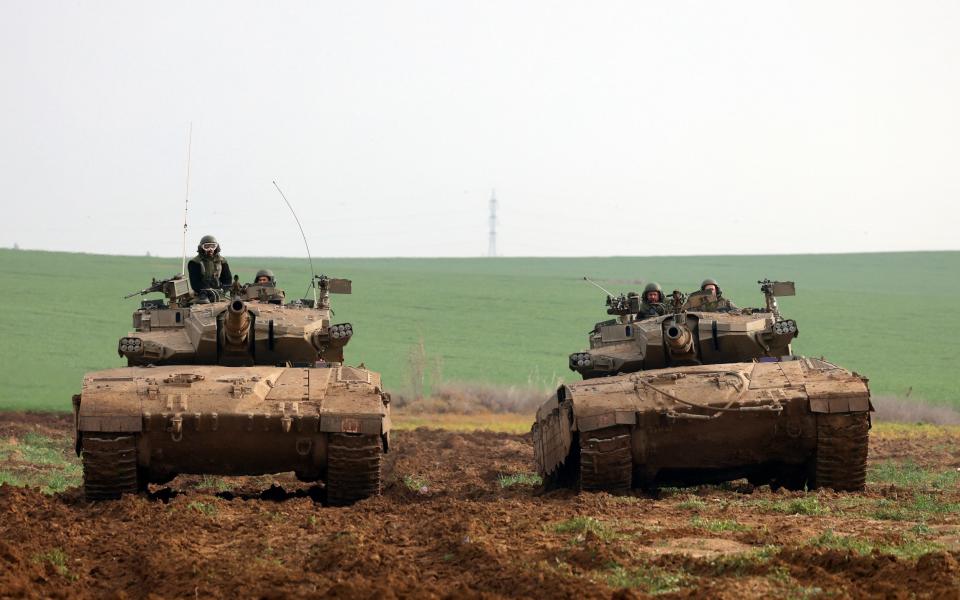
pixel 652 580
pixel 780 574
pixel 829 539
pixel 55 557
pixel 741 562
pixel 909 474
pixel 416 484
pixel 531 479
pixel 934 504
pixel 889 510
pixel 11 479
pixel 920 508
pixel 908 548
pixel 217 484
pixel 692 503
pixel 921 529
pixel 807 505
pixel 581 525
pixel 718 525
pixel 39 461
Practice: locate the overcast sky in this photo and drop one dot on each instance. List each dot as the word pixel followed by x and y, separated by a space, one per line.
pixel 607 128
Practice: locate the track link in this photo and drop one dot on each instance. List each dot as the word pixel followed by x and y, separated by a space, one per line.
pixel 353 468
pixel 109 465
pixel 606 462
pixel 841 461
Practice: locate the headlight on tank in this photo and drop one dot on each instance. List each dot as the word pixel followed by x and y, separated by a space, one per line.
pixel 341 331
pixel 130 345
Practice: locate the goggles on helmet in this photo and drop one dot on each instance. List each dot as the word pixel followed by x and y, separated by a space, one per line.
pixel 209 246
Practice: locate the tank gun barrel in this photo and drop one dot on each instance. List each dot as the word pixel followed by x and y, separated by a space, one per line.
pixel 679 339
pixel 236 325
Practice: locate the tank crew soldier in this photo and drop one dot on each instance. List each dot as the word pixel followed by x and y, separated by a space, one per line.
pixel 265 288
pixel 209 270
pixel 721 304
pixel 652 302
pixel 264 277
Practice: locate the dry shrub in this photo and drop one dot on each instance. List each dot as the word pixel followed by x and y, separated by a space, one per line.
pixel 421 369
pixel 470 398
pixel 897 409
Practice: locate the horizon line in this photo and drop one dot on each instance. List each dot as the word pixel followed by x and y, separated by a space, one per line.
pixel 485 257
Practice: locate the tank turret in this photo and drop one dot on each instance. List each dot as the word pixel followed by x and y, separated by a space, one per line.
pixel 241 326
pixel 692 333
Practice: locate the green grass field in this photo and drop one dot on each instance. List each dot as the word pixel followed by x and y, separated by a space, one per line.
pixel 504 320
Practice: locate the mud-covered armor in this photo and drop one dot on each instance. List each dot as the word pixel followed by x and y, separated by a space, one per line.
pixel 240 386
pixel 698 396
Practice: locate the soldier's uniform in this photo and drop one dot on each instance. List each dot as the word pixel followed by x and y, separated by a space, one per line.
pixel 718 305
pixel 209 271
pixel 721 304
pixel 648 310
pixel 651 309
pixel 265 292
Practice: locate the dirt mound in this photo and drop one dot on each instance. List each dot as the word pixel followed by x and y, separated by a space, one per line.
pixel 462 516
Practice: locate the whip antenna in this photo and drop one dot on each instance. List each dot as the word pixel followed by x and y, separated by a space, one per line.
pixel 602 289
pixel 186 203
pixel 313 274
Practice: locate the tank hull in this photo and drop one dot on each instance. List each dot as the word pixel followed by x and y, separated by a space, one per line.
pixel 138 425
pixel 794 423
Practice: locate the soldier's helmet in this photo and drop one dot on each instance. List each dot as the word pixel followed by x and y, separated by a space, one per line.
pixel 206 240
pixel 653 286
pixel 710 281
pixel 264 273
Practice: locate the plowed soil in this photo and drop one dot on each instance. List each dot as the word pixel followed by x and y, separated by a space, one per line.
pixel 450 525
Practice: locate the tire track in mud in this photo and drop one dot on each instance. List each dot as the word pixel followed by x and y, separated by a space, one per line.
pixel 445 527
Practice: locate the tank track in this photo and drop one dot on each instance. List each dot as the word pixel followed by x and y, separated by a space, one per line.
pixel 841 459
pixel 606 461
pixel 109 466
pixel 353 468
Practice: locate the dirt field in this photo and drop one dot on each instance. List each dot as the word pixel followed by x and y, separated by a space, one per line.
pixel 462 516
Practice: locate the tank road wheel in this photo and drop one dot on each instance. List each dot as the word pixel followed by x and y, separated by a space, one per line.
pixel 606 462
pixel 841 460
pixel 109 466
pixel 353 468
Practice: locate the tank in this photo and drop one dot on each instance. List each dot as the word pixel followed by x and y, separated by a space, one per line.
pixel 697 396
pixel 235 382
